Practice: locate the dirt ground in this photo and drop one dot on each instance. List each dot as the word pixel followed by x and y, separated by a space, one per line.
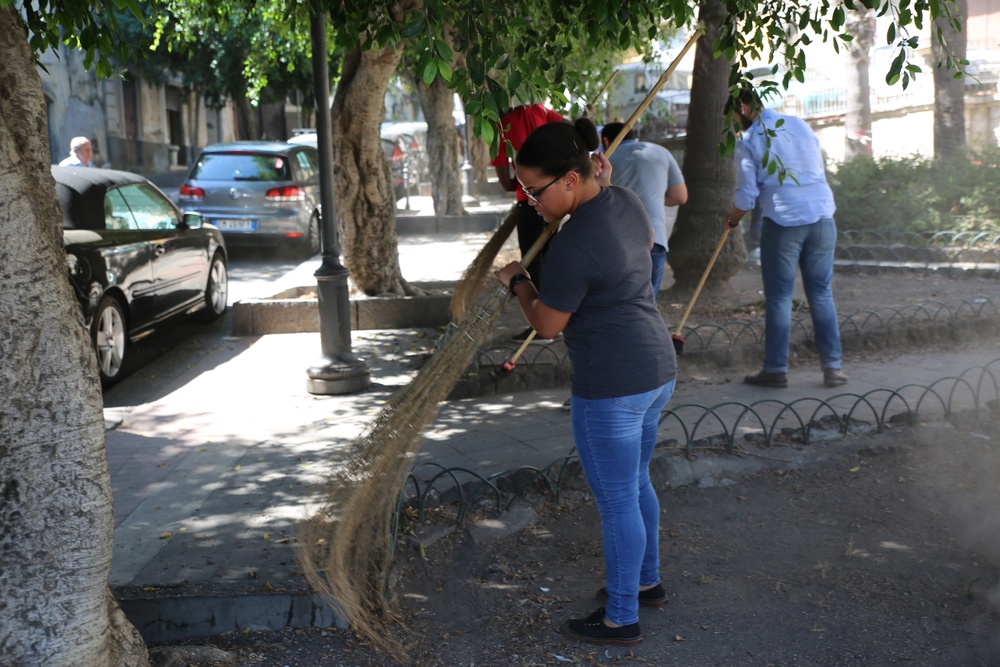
pixel 886 554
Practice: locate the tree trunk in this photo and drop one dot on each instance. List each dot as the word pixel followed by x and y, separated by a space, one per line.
pixel 858 116
pixel 710 177
pixel 56 526
pixel 443 160
pixel 479 157
pixel 247 118
pixel 366 207
pixel 949 92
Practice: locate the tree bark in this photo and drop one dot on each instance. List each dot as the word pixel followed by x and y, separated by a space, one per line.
pixel 247 118
pixel 858 116
pixel 443 160
pixel 56 525
pixel 710 177
pixel 479 158
pixel 366 207
pixel 949 92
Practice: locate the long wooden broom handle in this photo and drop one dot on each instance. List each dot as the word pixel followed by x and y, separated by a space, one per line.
pixel 652 92
pixel 704 277
pixel 597 97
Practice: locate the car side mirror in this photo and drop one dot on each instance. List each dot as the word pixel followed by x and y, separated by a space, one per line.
pixel 193 220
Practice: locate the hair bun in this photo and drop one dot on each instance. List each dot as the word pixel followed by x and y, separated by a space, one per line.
pixel 588 131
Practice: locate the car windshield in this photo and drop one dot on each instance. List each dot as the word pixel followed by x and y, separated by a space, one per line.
pixel 241 167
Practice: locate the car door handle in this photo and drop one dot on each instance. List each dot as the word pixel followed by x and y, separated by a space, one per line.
pixel 159 250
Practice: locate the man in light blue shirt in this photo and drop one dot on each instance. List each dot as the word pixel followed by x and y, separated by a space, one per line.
pixel 650 171
pixel 80 153
pixel 798 231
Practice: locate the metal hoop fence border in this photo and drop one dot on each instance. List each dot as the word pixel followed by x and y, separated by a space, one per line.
pixel 972 390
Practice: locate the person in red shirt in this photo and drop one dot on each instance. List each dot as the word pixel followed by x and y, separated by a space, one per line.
pixel 514 127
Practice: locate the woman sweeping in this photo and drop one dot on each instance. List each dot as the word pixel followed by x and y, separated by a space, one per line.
pixel 598 294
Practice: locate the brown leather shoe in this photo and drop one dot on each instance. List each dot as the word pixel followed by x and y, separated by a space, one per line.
pixel 833 377
pixel 764 379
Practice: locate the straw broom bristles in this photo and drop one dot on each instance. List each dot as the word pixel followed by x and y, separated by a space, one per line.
pixel 347 544
pixel 473 279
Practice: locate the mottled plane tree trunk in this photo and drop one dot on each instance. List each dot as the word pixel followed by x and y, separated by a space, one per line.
pixel 365 202
pixel 858 115
pixel 709 176
pixel 949 92
pixel 56 522
pixel 443 142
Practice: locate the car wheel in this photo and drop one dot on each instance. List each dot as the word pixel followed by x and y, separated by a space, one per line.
pixel 216 290
pixel 108 333
pixel 312 244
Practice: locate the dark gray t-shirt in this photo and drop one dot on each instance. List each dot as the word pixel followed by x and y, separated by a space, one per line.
pixel 597 268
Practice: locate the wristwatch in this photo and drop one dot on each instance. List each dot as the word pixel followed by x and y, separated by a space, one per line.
pixel 516 280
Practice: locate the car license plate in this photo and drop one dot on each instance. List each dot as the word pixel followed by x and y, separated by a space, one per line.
pixel 237 225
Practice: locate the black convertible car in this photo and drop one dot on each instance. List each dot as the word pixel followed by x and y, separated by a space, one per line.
pixel 134 260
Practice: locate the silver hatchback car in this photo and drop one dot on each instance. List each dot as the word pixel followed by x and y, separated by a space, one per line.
pixel 258 193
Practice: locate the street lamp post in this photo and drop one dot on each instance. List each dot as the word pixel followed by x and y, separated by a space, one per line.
pixel 338 371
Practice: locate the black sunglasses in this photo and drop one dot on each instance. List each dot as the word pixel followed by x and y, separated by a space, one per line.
pixel 533 196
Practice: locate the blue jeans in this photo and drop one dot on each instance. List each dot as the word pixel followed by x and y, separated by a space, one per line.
pixel 659 256
pixel 615 438
pixel 810 249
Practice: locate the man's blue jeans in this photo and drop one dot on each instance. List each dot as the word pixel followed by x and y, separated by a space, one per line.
pixel 615 438
pixel 659 256
pixel 810 249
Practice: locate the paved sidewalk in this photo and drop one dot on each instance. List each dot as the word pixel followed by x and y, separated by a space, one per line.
pixel 211 479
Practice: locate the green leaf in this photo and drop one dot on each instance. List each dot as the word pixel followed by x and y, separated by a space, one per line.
pixel 890 33
pixel 445 70
pixel 837 20
pixel 487 133
pixel 897 65
pixel 411 30
pixel 430 71
pixel 443 49
pixel 772 167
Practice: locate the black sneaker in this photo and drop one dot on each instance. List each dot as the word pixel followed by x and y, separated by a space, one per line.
pixel 765 379
pixel 593 630
pixel 651 597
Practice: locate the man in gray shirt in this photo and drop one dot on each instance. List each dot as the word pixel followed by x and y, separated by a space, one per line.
pixel 650 171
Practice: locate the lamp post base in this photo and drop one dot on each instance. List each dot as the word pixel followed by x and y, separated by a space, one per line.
pixel 331 377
